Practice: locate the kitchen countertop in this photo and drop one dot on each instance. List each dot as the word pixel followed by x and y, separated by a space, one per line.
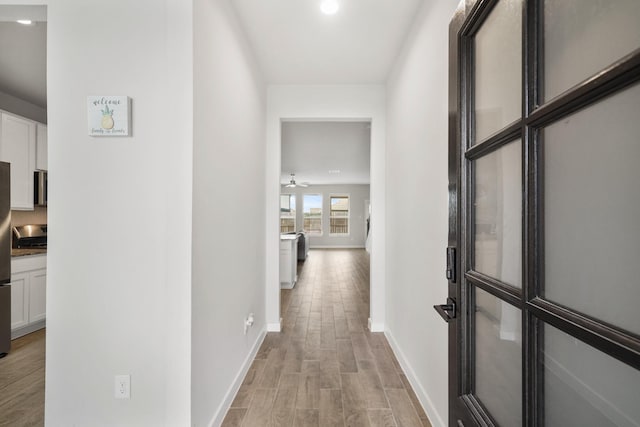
pixel 288 236
pixel 15 252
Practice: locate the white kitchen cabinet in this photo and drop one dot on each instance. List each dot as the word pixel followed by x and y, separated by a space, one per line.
pixel 42 145
pixel 19 300
pixel 28 294
pixel 18 147
pixel 37 295
pixel 288 260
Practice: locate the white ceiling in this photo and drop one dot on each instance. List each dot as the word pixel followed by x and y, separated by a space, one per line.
pixel 312 149
pixel 296 44
pixel 23 54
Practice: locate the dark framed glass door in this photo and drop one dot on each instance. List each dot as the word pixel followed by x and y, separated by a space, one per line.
pixel 544 229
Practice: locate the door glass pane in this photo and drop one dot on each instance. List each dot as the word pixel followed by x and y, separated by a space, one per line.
pixel 592 210
pixel 498 214
pixel 498 69
pixel 583 37
pixel 585 387
pixel 498 356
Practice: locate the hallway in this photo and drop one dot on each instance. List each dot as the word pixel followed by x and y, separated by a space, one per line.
pixel 325 368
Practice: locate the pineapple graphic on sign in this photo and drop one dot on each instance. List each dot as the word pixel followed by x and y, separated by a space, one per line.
pixel 107 118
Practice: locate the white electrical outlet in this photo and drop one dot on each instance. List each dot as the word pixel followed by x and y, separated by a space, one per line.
pixel 122 387
pixel 248 322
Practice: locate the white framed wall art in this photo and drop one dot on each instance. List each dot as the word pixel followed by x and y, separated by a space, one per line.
pixel 109 115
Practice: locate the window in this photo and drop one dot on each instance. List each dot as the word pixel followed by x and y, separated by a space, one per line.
pixel 312 213
pixel 339 215
pixel 287 213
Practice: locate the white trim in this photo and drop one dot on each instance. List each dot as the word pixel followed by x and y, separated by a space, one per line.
pixel 336 247
pixel 326 103
pixel 27 329
pixel 221 412
pixel 376 327
pixel 273 327
pixel 434 417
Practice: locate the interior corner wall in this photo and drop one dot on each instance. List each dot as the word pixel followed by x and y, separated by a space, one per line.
pixel 417 215
pixel 228 209
pixel 118 263
pixel 330 102
pixel 22 108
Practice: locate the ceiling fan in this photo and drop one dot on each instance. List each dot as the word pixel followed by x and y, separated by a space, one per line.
pixel 292 182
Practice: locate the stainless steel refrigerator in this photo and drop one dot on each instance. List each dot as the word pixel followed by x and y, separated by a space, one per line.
pixel 5 259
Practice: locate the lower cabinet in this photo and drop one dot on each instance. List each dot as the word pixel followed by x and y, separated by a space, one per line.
pixel 19 300
pixel 288 261
pixel 28 294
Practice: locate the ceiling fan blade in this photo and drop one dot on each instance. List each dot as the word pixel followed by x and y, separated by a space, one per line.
pixel 303 184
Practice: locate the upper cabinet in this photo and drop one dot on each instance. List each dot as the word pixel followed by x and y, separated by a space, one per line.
pixel 18 147
pixel 41 147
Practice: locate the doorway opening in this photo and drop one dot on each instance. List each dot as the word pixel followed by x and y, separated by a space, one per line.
pixel 23 145
pixel 325 182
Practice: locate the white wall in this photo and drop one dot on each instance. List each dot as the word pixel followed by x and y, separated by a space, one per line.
pixel 417 206
pixel 118 285
pixel 228 209
pixel 357 196
pixel 363 102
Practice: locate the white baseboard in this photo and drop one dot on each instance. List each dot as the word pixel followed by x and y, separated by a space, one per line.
pixel 25 330
pixel 237 382
pixel 435 418
pixel 375 327
pixel 273 327
pixel 287 285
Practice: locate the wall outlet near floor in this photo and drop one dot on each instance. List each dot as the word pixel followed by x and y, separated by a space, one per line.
pixel 248 322
pixel 122 387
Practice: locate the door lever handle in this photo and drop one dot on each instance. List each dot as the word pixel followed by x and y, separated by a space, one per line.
pixel 447 311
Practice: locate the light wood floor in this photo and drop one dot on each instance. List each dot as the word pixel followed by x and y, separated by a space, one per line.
pixel 22 382
pixel 325 368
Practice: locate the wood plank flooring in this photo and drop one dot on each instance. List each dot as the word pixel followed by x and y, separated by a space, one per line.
pixel 22 382
pixel 325 368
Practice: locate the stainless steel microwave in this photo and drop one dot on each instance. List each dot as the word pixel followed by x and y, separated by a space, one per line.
pixel 40 188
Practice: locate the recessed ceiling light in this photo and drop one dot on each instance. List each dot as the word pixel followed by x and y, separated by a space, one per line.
pixel 334 171
pixel 24 21
pixel 329 7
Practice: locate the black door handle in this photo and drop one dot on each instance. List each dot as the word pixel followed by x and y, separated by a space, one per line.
pixel 447 311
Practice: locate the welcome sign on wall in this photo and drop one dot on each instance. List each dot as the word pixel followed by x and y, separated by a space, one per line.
pixel 109 115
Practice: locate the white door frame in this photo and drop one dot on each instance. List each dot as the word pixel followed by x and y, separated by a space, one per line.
pixel 326 103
